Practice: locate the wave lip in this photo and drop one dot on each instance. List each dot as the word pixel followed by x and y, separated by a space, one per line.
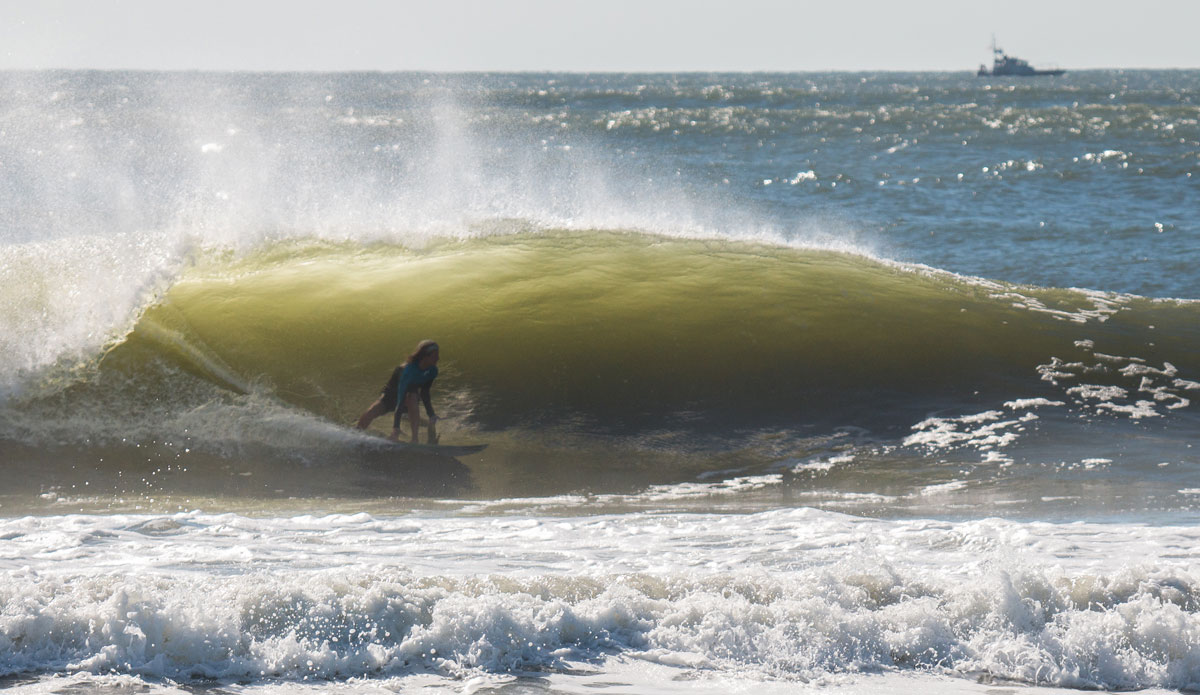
pixel 65 300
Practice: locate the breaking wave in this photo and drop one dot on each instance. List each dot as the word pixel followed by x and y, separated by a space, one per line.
pixel 608 346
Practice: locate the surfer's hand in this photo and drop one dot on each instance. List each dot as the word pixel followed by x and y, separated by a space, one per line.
pixel 433 419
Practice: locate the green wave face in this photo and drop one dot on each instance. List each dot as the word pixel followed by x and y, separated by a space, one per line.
pixel 620 331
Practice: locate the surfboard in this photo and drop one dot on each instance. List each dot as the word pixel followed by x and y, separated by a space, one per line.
pixel 440 449
pixel 382 445
pixel 376 442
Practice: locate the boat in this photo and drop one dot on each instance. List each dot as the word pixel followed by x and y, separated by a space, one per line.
pixel 1004 65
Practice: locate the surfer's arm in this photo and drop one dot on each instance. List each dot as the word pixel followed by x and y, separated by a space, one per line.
pixel 400 408
pixel 425 398
pixel 396 420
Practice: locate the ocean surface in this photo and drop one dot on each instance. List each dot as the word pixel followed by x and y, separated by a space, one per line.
pixel 854 383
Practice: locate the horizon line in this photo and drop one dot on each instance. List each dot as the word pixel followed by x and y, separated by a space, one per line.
pixel 556 71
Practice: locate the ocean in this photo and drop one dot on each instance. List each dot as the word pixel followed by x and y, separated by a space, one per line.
pixel 846 382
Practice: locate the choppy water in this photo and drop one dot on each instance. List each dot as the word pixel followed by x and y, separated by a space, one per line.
pixel 787 380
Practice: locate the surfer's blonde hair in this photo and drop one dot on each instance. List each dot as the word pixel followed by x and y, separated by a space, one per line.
pixel 423 348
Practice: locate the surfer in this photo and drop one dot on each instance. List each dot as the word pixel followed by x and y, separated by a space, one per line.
pixel 409 380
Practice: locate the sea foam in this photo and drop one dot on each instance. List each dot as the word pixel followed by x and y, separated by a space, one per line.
pixel 794 595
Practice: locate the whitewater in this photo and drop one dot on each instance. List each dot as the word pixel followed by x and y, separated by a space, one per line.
pixel 841 382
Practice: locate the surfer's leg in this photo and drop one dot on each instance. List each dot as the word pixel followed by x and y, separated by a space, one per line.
pixel 377 408
pixel 414 415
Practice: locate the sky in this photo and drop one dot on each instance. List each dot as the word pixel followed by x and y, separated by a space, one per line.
pixel 594 35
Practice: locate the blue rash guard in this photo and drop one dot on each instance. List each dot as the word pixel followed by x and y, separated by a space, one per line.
pixel 405 379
